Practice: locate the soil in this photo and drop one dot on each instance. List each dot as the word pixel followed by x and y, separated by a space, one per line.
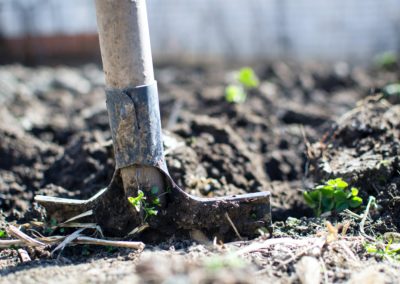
pixel 304 124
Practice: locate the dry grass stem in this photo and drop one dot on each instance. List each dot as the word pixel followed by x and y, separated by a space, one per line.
pixel 68 240
pixel 364 218
pixel 233 226
pixel 15 232
pixel 84 214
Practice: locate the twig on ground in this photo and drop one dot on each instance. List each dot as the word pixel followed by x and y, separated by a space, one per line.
pixel 78 240
pixel 84 214
pixel 139 229
pixel 233 226
pixel 67 240
pixel 351 214
pixel 11 243
pixel 15 232
pixel 100 242
pixel 35 233
pixel 83 225
pixel 23 255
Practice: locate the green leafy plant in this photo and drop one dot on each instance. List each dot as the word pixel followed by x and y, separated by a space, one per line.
pixel 136 202
pixel 334 195
pixel 386 60
pixel 140 202
pixel 246 79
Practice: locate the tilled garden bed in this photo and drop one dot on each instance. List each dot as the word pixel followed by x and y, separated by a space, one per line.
pixel 304 124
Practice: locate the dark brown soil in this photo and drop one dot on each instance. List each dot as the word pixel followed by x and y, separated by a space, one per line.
pixel 55 140
pixel 363 147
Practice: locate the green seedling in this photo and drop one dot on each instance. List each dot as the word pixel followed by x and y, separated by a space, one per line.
pixel 235 94
pixel 136 202
pixel 335 195
pixel 246 79
pixel 156 202
pixel 386 60
pixel 139 202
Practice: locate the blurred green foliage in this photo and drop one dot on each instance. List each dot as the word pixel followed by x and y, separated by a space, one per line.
pixel 246 79
pixel 386 60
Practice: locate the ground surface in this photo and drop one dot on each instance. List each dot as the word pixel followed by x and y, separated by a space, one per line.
pixel 300 126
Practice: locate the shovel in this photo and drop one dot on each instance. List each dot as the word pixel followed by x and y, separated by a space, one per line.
pixel 141 190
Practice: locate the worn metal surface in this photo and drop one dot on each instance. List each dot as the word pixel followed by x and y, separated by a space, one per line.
pixel 137 141
pixel 181 213
pixel 136 126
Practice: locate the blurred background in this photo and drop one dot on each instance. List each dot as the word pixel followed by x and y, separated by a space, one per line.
pixel 53 31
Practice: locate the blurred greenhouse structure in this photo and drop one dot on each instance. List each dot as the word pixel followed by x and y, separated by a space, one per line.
pixel 39 31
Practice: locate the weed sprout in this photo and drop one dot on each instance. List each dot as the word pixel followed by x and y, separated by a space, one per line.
pixel 334 195
pixel 245 79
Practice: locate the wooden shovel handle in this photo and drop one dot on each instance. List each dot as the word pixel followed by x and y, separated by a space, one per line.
pixel 127 62
pixel 124 42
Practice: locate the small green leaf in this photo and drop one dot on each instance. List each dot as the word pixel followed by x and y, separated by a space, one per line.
pixel 136 201
pixel 327 190
pixel 371 249
pixel 343 205
pixel 248 78
pixel 339 195
pixel 315 195
pixel 338 183
pixel 151 212
pixel 156 201
pixel 3 234
pixel 354 191
pixel 310 202
pixel 328 204
pixel 235 94
pixel 355 202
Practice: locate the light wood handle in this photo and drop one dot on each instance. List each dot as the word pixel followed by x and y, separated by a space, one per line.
pixel 127 62
pixel 124 42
